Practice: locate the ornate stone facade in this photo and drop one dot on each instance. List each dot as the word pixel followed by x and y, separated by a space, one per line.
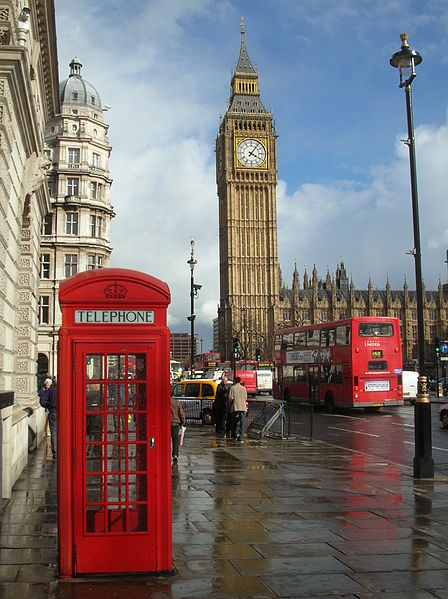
pixel 335 297
pixel 76 232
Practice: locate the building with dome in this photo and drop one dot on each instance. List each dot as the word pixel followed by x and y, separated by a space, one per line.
pixel 76 231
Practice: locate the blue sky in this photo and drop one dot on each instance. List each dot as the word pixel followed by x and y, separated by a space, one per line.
pixel 165 66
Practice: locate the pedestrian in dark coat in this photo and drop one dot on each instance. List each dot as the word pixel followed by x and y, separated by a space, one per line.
pixel 48 399
pixel 220 405
pixel 177 420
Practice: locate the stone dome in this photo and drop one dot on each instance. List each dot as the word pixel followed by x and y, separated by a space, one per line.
pixel 76 91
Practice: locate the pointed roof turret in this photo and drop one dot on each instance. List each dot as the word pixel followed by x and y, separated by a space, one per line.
pixel 245 92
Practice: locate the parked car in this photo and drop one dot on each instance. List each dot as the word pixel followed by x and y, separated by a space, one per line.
pixel 443 415
pixel 200 390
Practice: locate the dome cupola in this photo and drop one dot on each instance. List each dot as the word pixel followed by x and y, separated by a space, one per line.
pixel 76 91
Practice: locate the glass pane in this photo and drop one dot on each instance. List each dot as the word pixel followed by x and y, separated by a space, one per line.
pixel 137 396
pixel 94 397
pixel 137 487
pixel 138 518
pixel 116 518
pixel 116 399
pixel 137 366
pixel 137 427
pixel 115 367
pixel 94 489
pixel 116 459
pixel 116 488
pixel 116 427
pixel 94 367
pixel 94 458
pixel 95 521
pixel 136 457
pixel 94 427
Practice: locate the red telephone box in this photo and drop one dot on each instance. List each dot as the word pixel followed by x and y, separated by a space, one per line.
pixel 114 472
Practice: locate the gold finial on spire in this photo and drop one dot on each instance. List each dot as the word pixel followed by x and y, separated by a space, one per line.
pixel 404 40
pixel 243 27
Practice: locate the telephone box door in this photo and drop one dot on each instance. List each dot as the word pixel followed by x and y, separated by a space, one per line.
pixel 115 456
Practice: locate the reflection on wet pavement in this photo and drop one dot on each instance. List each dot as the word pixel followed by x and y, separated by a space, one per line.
pixel 267 518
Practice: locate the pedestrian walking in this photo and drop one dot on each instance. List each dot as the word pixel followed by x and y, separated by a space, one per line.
pixel 177 420
pixel 48 400
pixel 238 409
pixel 220 405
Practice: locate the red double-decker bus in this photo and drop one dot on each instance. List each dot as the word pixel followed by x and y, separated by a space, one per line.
pixel 346 364
pixel 209 360
pixel 247 371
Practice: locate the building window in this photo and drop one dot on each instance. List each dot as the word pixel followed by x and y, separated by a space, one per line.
pixel 45 266
pixel 96 160
pixel 73 186
pixel 93 190
pixel 71 223
pixel 91 262
pixel 73 155
pixel 96 226
pixel 99 261
pixel 48 224
pixel 71 265
pixel 44 309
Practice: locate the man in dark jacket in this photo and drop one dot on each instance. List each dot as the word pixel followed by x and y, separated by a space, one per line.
pixel 177 420
pixel 48 399
pixel 220 405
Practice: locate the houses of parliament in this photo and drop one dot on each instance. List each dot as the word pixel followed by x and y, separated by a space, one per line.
pixel 254 300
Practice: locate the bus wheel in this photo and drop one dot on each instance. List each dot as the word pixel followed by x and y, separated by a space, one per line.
pixel 329 402
pixel 286 396
pixel 207 417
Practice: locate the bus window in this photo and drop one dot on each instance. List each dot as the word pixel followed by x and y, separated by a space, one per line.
pixel 343 335
pixel 377 365
pixel 300 374
pixel 376 329
pixel 288 374
pixel 327 337
pixel 287 341
pixel 299 339
pixel 278 342
pixel 312 338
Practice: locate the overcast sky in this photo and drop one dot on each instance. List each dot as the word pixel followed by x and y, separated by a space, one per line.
pixel 165 67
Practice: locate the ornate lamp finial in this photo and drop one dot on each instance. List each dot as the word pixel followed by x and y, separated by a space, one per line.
pixel 404 40
pixel 243 27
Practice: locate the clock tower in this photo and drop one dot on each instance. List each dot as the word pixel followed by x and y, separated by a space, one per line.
pixel 246 176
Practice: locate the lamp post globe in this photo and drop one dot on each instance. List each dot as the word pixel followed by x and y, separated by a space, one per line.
pixel 405 61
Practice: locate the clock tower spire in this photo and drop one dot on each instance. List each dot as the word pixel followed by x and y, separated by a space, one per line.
pixel 246 176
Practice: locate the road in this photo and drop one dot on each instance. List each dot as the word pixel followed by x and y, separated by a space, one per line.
pixel 387 434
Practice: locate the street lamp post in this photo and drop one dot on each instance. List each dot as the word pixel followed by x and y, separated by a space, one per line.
pixel 406 60
pixel 193 294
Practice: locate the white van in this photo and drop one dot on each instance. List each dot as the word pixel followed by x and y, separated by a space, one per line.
pixel 410 379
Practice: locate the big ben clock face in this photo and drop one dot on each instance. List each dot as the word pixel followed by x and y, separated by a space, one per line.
pixel 251 153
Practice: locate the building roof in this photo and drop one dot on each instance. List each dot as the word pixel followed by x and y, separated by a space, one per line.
pixel 76 91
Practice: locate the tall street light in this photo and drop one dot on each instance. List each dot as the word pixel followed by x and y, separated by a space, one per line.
pixel 405 61
pixel 193 294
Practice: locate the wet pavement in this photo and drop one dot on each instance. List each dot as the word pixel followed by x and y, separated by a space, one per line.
pixel 266 518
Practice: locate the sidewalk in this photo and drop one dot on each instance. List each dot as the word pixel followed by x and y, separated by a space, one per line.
pixel 263 519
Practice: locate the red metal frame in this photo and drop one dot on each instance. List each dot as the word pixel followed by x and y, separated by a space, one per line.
pixel 114 429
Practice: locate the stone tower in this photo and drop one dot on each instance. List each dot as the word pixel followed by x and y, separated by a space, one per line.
pixel 246 176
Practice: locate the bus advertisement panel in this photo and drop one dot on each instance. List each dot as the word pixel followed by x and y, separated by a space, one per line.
pixel 348 363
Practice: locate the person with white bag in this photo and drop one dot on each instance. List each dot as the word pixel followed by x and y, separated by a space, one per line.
pixel 177 425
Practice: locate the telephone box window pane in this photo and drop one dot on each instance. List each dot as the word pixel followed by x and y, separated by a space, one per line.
pixel 94 427
pixel 116 488
pixel 95 519
pixel 94 397
pixel 116 399
pixel 137 397
pixel 138 518
pixel 115 367
pixel 116 428
pixel 94 458
pixel 137 367
pixel 116 519
pixel 94 489
pixel 136 458
pixel 117 463
pixel 95 367
pixel 137 427
pixel 137 487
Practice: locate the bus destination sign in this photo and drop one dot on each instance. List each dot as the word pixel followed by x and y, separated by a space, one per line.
pixel 114 316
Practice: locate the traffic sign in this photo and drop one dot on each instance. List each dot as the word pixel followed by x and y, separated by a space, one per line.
pixel 444 348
